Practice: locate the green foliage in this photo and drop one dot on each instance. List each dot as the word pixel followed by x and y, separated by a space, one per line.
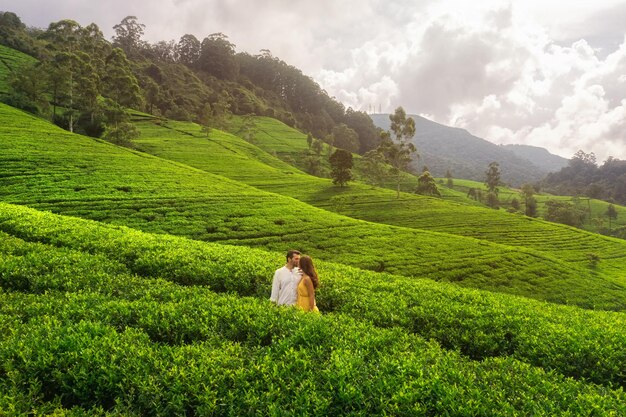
pixel 611 213
pixel 341 163
pixel 128 35
pixel 449 180
pixel 217 57
pixel 345 138
pixel 583 176
pixel 492 200
pixel 492 178
pixel 564 212
pixel 426 185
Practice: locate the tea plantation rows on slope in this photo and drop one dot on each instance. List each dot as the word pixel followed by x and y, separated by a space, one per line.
pixel 233 157
pixel 99 319
pixel 48 168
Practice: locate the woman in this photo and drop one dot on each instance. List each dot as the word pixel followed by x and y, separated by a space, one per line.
pixel 307 285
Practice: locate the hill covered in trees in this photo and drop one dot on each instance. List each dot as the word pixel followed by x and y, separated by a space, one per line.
pixel 189 79
pixel 583 176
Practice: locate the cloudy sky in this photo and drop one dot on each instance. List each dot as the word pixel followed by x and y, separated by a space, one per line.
pixel 549 73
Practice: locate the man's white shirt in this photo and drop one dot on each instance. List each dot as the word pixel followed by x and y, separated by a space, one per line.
pixel 285 286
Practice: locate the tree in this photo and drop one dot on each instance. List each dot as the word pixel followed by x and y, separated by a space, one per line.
pixel 374 167
pixel 345 138
pixel 217 57
pixel 492 200
pixel 531 207
pixel 119 82
pixel 530 203
pixel 118 128
pixel 309 139
pixel 128 35
pixel 188 50
pixel 426 185
pixel 74 84
pixel 362 124
pixel 583 158
pixel 317 147
pixel 248 129
pixel 312 163
pixel 564 212
pixel 398 153
pixel 205 119
pixel 341 163
pixel 515 205
pixel 28 89
pixel 492 179
pixel 402 128
pixel 611 213
pixel 450 183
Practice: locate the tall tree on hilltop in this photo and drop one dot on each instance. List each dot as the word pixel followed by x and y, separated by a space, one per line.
pixel 401 126
pixel 188 50
pixel 217 57
pixel 128 35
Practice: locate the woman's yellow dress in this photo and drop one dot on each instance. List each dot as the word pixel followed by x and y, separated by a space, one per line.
pixel 303 297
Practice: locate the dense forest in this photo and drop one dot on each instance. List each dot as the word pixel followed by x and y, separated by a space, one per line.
pixel 583 176
pixel 82 81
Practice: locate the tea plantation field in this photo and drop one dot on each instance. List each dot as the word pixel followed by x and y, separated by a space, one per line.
pixel 184 142
pixel 99 319
pixel 45 167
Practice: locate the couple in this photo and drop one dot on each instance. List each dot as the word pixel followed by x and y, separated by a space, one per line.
pixel 295 283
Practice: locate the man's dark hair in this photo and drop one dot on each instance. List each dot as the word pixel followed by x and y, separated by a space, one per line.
pixel 291 253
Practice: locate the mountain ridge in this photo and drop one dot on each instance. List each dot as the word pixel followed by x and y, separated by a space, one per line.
pixel 442 148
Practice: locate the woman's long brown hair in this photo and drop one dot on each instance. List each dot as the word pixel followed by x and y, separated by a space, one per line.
pixel 306 265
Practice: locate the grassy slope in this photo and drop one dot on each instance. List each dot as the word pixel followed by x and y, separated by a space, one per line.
pixel 10 61
pixel 183 142
pixel 99 319
pixel 48 168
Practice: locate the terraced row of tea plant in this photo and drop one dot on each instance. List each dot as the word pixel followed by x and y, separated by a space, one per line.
pixel 239 160
pixel 48 168
pixel 62 271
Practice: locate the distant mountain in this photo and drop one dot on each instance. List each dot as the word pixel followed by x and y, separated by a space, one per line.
pixel 443 148
pixel 539 156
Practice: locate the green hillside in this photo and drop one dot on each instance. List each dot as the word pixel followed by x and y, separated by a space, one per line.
pixel 11 61
pixel 183 142
pixel 108 319
pixel 596 207
pixel 45 167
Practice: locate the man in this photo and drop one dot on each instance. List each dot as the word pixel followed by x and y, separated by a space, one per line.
pixel 286 279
